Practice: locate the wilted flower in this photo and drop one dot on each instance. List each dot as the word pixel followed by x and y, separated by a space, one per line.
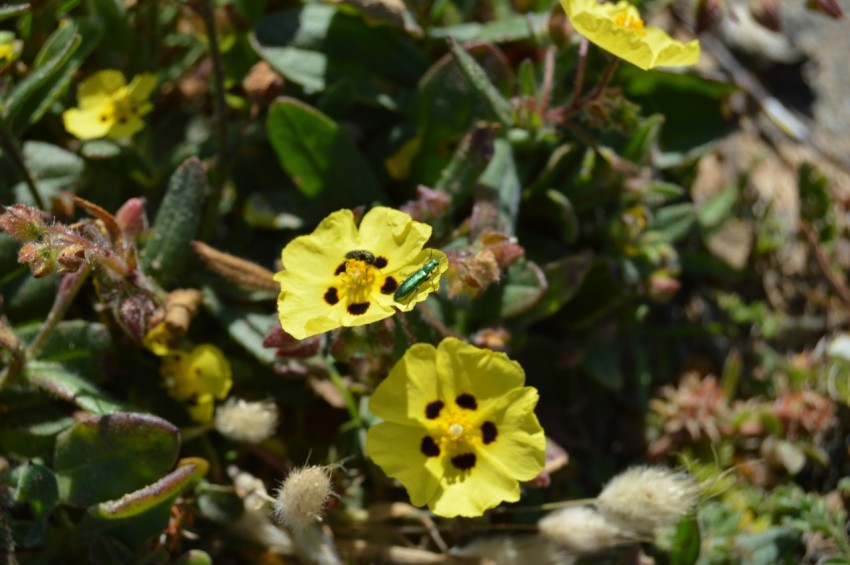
pixel 251 422
pixel 459 429
pixel 619 29
pixel 109 107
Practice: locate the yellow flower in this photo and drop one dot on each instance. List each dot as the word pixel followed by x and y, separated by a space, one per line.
pixel 109 107
pixel 459 428
pixel 342 275
pixel 619 29
pixel 198 377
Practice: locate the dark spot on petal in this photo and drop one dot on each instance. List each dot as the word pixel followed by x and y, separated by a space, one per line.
pixel 331 296
pixel 122 120
pixel 429 447
pixel 198 372
pixel 433 409
pixel 341 269
pixel 358 308
pixel 464 461
pixel 380 262
pixel 467 401
pixel 104 118
pixel 389 286
pixel 488 432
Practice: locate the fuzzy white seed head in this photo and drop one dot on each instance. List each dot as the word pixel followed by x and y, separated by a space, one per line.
pixel 302 497
pixel 251 422
pixel 581 529
pixel 644 498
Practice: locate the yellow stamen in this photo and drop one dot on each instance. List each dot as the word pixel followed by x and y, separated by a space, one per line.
pixel 358 280
pixel 629 19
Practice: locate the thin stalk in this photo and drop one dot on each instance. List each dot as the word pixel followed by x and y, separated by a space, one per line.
pixel 10 145
pixel 63 300
pixel 582 63
pixel 220 104
pixel 606 78
pixel 350 404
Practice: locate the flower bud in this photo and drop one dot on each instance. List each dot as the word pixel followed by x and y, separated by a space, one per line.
pixel 302 496
pixel 23 222
pixel 132 218
pixel 250 422
pixel 581 529
pixel 71 258
pixel 642 499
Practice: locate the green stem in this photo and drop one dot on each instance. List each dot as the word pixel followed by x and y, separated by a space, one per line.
pixel 350 403
pixel 220 105
pixel 10 145
pixel 64 297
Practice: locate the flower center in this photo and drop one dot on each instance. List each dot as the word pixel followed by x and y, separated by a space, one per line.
pixel 123 108
pixel 630 19
pixel 453 427
pixel 358 280
pixel 456 430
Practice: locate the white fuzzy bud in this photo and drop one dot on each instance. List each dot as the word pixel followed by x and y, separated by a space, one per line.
pixel 581 529
pixel 302 497
pixel 642 499
pixel 250 422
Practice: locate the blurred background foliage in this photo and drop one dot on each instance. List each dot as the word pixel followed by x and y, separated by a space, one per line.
pixel 667 308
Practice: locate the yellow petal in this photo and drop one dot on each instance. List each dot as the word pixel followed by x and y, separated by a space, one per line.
pixel 202 410
pixel 396 449
pixel 211 369
pixel 410 386
pixel 485 374
pixel 646 48
pixel 98 88
pixel 312 263
pixel 471 493
pixel 141 87
pixel 86 124
pixel 520 446
pixel 431 284
pixel 127 128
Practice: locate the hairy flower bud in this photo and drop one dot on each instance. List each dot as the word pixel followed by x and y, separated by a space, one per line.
pixel 582 529
pixel 829 7
pixel 644 498
pixel 71 258
pixel 23 222
pixel 251 422
pixel 302 496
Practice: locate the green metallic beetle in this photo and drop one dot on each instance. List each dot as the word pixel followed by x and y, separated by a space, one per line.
pixel 414 281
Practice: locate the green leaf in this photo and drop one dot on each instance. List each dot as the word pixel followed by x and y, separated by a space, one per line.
pixel 145 512
pixel 766 548
pixel 562 279
pixel 37 485
pixel 601 361
pixel 675 221
pixel 686 544
pixel 7 12
pixel 447 109
pixel 482 85
pixel 54 169
pixel 501 30
pixel 249 329
pixel 55 53
pixel 58 380
pixel 61 56
pixel 318 45
pixel 169 251
pixel 105 457
pixel 37 488
pixel 321 159
pixel 524 285
pixel 643 140
pixel 502 179
pixel 75 339
pixel 718 209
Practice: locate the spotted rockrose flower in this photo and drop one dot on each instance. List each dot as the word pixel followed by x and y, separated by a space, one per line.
pixel 459 430
pixel 347 275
